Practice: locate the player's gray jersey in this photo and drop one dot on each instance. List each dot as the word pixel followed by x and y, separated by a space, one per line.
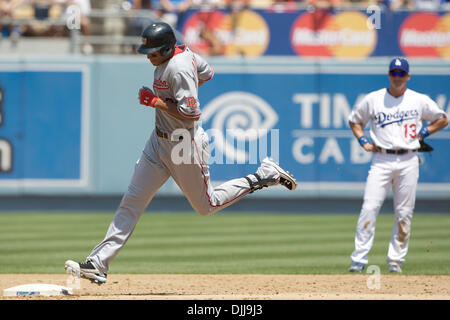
pixel 395 122
pixel 176 81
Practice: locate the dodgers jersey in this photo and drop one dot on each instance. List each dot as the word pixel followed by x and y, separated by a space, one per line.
pixel 395 122
pixel 176 80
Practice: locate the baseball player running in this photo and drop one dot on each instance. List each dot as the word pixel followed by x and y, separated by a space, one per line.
pixel 396 117
pixel 178 74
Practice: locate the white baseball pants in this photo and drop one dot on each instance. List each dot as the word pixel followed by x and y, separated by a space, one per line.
pixel 401 173
pixel 152 170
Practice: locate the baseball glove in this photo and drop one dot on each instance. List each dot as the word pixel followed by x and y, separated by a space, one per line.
pixel 425 147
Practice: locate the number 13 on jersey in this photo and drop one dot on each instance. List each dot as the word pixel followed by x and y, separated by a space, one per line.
pixel 410 130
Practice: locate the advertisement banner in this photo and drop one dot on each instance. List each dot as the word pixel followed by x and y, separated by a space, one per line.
pixel 301 120
pixel 425 34
pixel 43 128
pixel 317 33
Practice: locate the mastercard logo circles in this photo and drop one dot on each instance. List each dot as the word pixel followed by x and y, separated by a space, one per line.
pixel 242 33
pixel 250 35
pixel 325 35
pixel 425 35
pixel 193 27
pixel 443 28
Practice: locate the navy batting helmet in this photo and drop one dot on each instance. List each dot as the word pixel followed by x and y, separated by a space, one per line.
pixel 158 36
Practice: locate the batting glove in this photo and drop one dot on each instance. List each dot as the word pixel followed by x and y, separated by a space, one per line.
pixel 146 97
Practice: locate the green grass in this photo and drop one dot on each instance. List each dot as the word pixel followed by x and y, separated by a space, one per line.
pixel 221 243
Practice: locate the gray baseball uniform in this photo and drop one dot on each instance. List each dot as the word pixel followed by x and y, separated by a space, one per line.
pixel 176 80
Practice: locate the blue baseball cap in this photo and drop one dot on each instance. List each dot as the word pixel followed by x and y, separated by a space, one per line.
pixel 399 63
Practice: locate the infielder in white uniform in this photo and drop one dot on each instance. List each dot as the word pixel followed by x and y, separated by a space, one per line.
pixel 177 148
pixel 396 117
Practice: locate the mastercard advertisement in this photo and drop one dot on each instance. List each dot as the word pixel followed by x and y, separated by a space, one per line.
pixel 343 34
pixel 243 33
pixel 425 35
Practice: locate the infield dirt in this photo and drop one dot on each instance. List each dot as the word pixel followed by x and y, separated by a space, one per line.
pixel 242 287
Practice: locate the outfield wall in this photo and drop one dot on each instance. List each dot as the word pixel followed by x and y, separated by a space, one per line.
pixel 72 125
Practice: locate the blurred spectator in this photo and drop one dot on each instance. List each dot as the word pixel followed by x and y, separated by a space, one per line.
pixel 7 8
pixel 425 5
pixel 63 13
pixel 320 9
pixel 283 6
pixel 327 5
pixel 360 3
pixel 445 5
pixel 237 5
pixel 39 25
pixel 384 3
pixel 401 4
pixel 41 8
pixel 206 14
pixel 182 5
pixel 163 10
pixel 429 5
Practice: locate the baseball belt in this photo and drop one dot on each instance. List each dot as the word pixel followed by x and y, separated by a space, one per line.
pixel 164 135
pixel 398 151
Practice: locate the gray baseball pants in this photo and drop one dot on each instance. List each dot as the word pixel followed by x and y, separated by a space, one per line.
pixel 156 164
